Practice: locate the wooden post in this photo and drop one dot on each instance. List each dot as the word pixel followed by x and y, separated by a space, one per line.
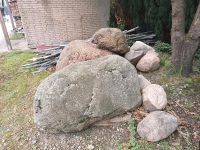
pixel 10 14
pixel 5 32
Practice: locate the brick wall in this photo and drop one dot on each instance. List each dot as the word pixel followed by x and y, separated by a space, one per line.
pixel 15 13
pixel 59 21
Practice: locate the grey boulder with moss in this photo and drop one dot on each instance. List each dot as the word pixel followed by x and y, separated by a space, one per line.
pixel 81 94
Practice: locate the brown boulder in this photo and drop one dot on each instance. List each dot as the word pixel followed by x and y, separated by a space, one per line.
pixel 111 39
pixel 77 51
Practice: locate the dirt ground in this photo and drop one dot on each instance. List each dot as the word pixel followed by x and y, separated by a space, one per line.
pixel 18 132
pixel 184 102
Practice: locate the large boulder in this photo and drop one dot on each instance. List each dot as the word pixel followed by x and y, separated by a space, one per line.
pixel 83 93
pixel 77 51
pixel 156 126
pixel 149 62
pixel 154 97
pixel 140 46
pixel 111 39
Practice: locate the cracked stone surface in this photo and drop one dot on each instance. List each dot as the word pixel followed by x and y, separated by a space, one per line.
pixel 81 94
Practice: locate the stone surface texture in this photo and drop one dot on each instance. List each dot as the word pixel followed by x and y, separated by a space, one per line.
pixel 140 46
pixel 143 81
pixel 77 51
pixel 111 39
pixel 148 63
pixel 154 97
pixel 134 56
pixel 156 126
pixel 86 92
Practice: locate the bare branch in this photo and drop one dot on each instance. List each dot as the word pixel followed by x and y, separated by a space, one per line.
pixel 194 31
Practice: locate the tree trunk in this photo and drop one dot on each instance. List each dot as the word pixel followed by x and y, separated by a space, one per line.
pixel 184 45
pixel 189 48
pixel 125 16
pixel 178 31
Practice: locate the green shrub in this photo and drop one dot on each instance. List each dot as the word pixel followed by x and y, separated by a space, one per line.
pixel 133 143
pixel 16 36
pixel 121 26
pixel 197 117
pixel 197 57
pixel 197 54
pixel 163 47
pixel 165 61
pixel 132 126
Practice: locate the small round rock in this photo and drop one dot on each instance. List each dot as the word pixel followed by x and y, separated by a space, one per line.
pixel 157 125
pixel 90 147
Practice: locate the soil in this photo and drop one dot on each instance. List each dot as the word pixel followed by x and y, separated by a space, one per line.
pixel 184 103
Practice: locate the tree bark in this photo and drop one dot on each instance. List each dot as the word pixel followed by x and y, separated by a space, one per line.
pixel 178 31
pixel 184 45
pixel 191 44
pixel 124 14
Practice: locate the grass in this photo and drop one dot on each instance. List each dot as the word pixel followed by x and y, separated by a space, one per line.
pixel 17 88
pixel 16 36
pixel 197 117
pixel 164 61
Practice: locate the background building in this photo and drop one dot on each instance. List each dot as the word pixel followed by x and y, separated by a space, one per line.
pixel 15 13
pixel 52 22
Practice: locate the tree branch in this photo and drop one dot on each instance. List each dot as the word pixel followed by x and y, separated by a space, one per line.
pixel 194 32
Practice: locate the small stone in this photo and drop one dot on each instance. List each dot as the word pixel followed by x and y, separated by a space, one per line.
pixel 140 46
pixel 148 63
pixel 34 142
pixel 90 147
pixel 156 126
pixel 154 97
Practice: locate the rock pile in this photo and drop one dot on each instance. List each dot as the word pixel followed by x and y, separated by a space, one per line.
pixel 143 57
pixel 93 83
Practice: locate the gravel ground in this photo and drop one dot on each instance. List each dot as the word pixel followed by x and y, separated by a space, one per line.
pixel 94 138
